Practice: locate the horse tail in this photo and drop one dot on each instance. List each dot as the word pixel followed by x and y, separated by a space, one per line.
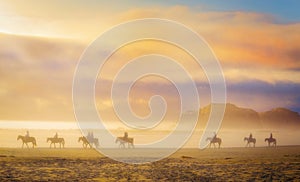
pixel 34 142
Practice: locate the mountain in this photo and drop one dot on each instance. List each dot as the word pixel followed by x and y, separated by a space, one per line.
pixel 280 117
pixel 237 118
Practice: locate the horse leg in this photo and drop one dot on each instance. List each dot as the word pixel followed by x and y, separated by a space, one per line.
pixel 23 145
pixel 27 145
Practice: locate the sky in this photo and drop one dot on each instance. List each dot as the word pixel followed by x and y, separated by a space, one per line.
pixel 256 42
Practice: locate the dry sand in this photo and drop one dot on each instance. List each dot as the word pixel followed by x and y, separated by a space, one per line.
pixel 235 164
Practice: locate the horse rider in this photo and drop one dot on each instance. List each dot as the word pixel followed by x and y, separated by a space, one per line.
pixel 250 137
pixel 90 135
pixel 271 136
pixel 215 136
pixel 125 135
pixel 27 134
pixel 56 135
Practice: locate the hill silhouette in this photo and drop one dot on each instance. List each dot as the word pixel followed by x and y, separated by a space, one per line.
pixel 238 118
pixel 280 117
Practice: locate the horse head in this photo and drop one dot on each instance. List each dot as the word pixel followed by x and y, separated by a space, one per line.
pixel 48 139
pixel 80 138
pixel 19 137
pixel 246 139
pixel 266 139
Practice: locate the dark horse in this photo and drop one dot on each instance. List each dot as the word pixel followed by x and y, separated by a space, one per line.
pixel 90 142
pixel 250 140
pixel 213 141
pixel 271 140
pixel 123 141
pixel 61 142
pixel 27 140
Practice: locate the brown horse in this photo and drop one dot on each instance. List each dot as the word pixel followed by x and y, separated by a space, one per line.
pixel 213 141
pixel 85 142
pixel 89 142
pixel 61 142
pixel 250 140
pixel 124 140
pixel 271 140
pixel 27 140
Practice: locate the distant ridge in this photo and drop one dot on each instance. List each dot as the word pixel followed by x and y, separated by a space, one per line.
pixel 237 117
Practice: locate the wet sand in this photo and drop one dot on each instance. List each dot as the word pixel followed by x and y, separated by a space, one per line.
pixel 235 164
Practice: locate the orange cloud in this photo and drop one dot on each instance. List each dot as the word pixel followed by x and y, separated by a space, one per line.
pixel 36 73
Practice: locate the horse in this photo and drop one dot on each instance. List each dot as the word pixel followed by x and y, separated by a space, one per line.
pixel 27 140
pixel 94 141
pixel 213 141
pixel 61 141
pixel 123 141
pixel 89 142
pixel 271 140
pixel 250 140
pixel 85 142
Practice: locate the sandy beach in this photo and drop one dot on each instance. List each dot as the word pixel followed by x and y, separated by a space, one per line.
pixel 235 164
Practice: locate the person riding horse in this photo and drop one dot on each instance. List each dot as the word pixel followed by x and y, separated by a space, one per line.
pixel 27 134
pixel 271 140
pixel 56 135
pixel 250 136
pixel 90 136
pixel 271 136
pixel 215 136
pixel 125 135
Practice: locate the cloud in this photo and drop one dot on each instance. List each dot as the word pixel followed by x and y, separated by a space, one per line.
pixel 260 60
pixel 36 78
pixel 263 96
